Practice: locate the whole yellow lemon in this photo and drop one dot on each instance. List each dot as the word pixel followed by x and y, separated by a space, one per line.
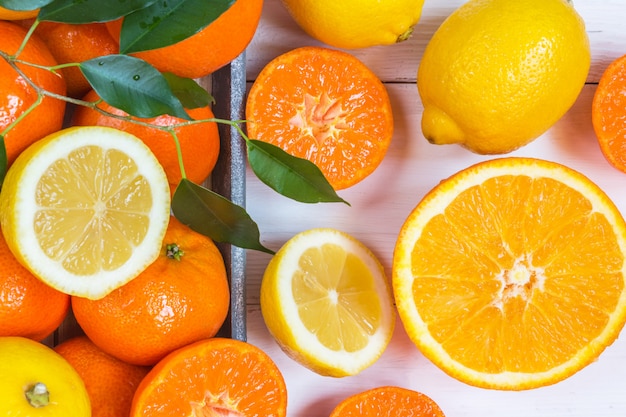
pixel 498 73
pixel 354 24
pixel 37 381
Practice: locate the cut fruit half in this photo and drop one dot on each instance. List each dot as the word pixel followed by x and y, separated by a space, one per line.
pixel 85 209
pixel 510 274
pixel 212 377
pixel 387 401
pixel 327 302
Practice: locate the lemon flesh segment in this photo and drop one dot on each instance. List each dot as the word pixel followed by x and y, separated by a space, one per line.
pixel 511 274
pixel 86 209
pixel 327 302
pixel 339 304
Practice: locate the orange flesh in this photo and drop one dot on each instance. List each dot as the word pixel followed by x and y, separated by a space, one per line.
pixel 517 285
pixel 325 106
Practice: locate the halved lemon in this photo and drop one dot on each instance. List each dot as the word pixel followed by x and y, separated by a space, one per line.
pixel 511 273
pixel 327 302
pixel 85 209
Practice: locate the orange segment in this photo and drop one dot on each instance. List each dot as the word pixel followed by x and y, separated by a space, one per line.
pixel 213 377
pixel 326 106
pixel 608 113
pixel 510 274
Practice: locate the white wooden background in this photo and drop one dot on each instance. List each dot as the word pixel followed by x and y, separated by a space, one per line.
pixel 380 204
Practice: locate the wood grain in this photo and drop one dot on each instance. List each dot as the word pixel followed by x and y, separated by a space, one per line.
pixel 380 204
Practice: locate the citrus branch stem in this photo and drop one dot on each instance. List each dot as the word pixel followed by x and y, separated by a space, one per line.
pixel 13 61
pixel 26 38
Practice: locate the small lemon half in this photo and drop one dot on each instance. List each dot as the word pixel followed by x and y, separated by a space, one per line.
pixel 327 302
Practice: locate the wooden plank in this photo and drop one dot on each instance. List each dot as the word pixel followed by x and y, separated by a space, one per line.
pixel 278 33
pixel 381 202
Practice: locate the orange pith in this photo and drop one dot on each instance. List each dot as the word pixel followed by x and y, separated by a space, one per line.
pixel 608 113
pixel 511 273
pixel 326 106
pixel 216 376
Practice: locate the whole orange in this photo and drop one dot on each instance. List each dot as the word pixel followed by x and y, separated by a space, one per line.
pixel 18 95
pixel 70 43
pixel 199 143
pixel 181 298
pixel 110 382
pixel 8 14
pixel 210 49
pixel 28 307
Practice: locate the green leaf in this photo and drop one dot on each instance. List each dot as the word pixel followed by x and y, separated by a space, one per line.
pixel 189 92
pixel 86 11
pixel 132 85
pixel 214 216
pixel 24 5
pixel 293 177
pixel 3 160
pixel 166 23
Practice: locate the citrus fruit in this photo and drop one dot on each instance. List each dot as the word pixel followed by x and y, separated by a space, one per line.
pixel 510 274
pixel 37 381
pixel 28 307
pixel 388 401
pixel 70 43
pixel 199 142
pixel 85 209
pixel 110 383
pixel 211 48
pixel 356 23
pixel 326 106
pixel 608 113
pixel 497 74
pixel 8 14
pixel 18 96
pixel 180 298
pixel 327 302
pixel 214 376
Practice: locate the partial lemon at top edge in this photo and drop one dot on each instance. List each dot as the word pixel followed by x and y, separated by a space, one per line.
pixel 85 209
pixel 354 24
pixel 511 273
pixel 327 302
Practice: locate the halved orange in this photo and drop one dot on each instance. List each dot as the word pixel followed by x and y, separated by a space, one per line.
pixel 388 401
pixel 608 113
pixel 510 274
pixel 213 377
pixel 326 106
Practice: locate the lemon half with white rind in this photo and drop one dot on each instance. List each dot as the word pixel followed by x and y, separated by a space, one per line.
pixel 85 209
pixel 327 302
